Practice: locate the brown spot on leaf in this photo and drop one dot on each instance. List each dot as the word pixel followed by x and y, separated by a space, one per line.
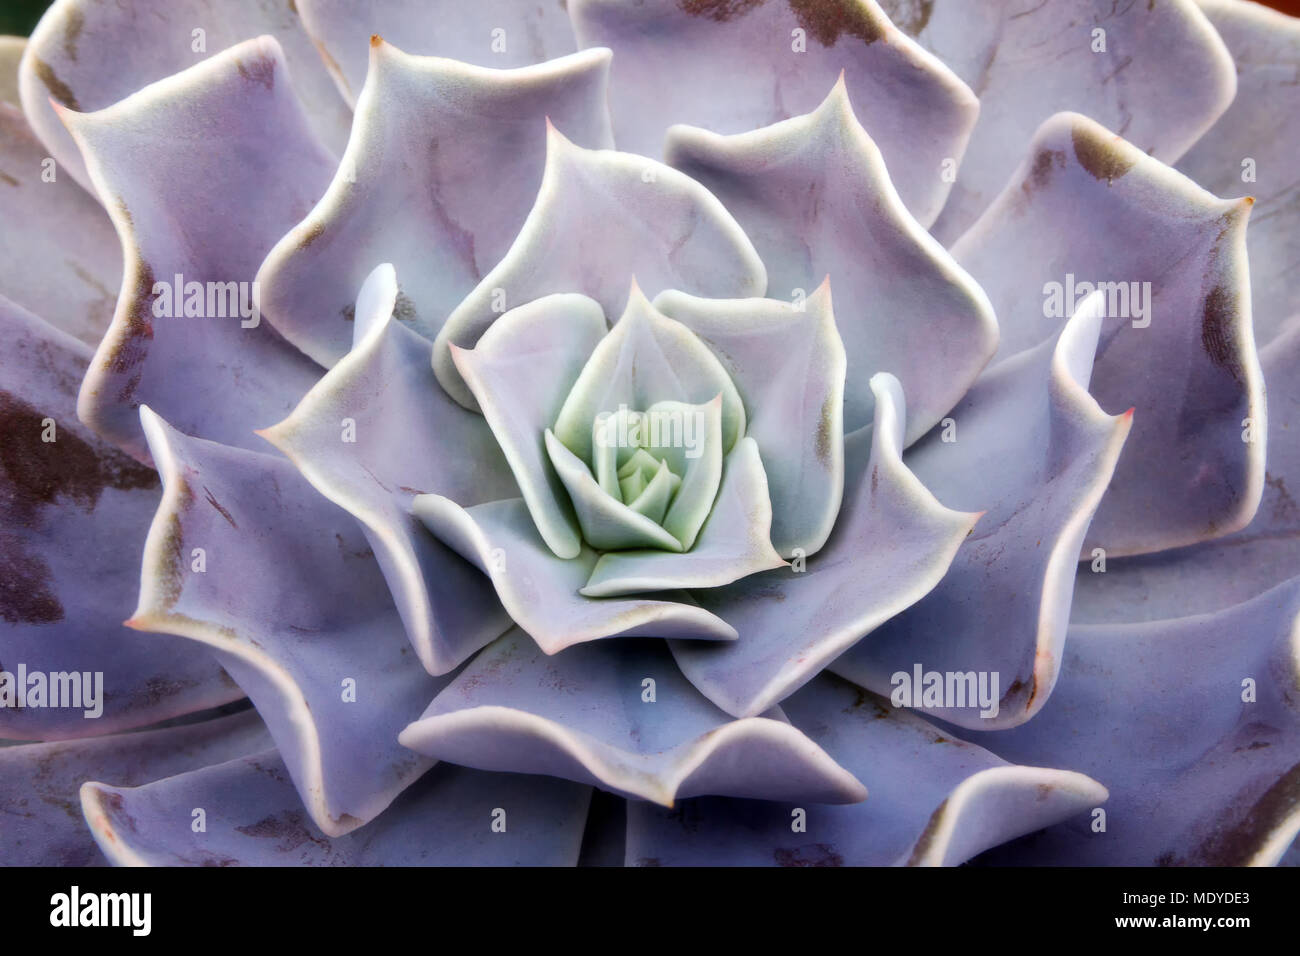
pixel 38 473
pixel 1107 159
pixel 1015 691
pixel 58 89
pixel 1284 506
pixel 314 232
pixel 216 504
pixel 25 594
pixel 1235 845
pixel 927 835
pixel 259 70
pixel 718 10
pixel 827 20
pixel 133 348
pixel 289 828
pixel 171 576
pixel 825 431
pixel 74 23
pixel 349 553
pixel 861 699
pixel 814 854
pixel 403 308
pixel 1040 173
pixel 1216 326
pixel 115 809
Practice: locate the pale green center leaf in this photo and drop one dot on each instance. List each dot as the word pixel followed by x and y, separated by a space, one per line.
pixel 652 478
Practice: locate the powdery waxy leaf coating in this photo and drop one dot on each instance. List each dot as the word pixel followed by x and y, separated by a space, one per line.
pixel 255 818
pixel 373 433
pixel 39 782
pixel 583 716
pixel 605 516
pixel 814 196
pixel 778 58
pixel 520 374
pixel 1154 71
pixel 443 165
pixel 606 522
pixel 541 591
pixel 86 55
pixel 646 358
pixel 601 220
pixel 1251 151
pixel 1201 766
pixel 934 800
pixel 620 614
pixel 496 33
pixel 892 543
pixel 1089 207
pixel 217 374
pixel 733 543
pixel 1035 449
pixel 68 270
pixel 787 364
pixel 1215 575
pixel 291 602
pixel 73 511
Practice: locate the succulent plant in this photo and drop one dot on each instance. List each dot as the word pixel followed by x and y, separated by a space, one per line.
pixel 668 432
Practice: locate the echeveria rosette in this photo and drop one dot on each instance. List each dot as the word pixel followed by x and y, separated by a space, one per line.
pixel 463 575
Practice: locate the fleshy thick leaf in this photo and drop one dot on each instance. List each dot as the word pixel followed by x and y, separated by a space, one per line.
pixel 647 358
pixel 495 33
pixel 541 591
pixel 607 523
pixel 86 55
pixel 293 605
pixel 813 194
pixel 60 258
pixel 39 782
pixel 934 800
pixel 1250 151
pixel 254 818
pixel 584 716
pixel 1156 72
pixel 375 432
pixel 734 543
pixel 787 363
pixel 195 215
pixel 1177 344
pixel 1033 447
pixel 892 543
pixel 73 511
pixel 733 67
pixel 520 373
pixel 1193 726
pixel 601 219
pixel 442 168
pixel 1215 575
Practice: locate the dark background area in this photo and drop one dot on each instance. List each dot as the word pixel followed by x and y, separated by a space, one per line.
pixel 17 17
